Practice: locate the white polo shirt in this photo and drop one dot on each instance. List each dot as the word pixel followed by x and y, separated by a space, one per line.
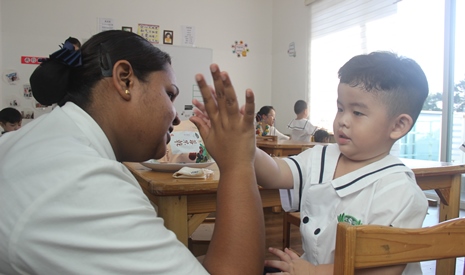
pixel 383 193
pixel 68 207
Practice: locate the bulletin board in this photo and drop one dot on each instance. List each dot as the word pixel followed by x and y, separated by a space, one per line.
pixel 186 63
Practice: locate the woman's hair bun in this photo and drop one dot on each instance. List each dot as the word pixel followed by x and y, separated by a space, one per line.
pixel 49 82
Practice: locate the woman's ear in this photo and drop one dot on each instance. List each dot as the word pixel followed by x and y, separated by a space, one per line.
pixel 123 78
pixel 402 125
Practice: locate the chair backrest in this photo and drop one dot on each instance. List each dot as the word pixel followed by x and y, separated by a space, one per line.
pixel 366 246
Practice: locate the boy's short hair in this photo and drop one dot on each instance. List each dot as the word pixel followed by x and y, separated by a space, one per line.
pixel 300 106
pixel 320 135
pixel 10 115
pixel 399 81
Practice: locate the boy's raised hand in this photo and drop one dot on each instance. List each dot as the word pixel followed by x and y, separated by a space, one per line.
pixel 227 131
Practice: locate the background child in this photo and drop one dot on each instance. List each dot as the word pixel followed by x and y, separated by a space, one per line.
pixel 321 135
pixel 10 119
pixel 265 120
pixel 356 180
pixel 301 128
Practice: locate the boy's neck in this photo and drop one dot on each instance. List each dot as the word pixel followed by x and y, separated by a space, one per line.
pixel 346 165
pixel 301 116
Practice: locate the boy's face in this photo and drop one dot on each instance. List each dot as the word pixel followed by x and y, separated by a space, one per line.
pixel 8 126
pixel 362 126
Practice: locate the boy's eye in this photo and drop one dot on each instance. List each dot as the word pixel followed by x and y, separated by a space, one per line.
pixel 339 109
pixel 358 113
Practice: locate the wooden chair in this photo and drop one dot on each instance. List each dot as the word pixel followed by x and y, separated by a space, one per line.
pixel 288 219
pixel 366 246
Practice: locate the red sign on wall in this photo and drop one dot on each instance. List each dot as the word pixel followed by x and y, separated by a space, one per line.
pixel 34 60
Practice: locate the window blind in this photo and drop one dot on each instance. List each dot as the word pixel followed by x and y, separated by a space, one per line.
pixel 337 32
pixel 328 16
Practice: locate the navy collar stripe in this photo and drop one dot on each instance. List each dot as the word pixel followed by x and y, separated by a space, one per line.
pixel 322 164
pixel 366 175
pixel 300 180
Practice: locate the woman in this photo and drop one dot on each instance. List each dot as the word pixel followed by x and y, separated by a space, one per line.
pixel 68 204
pixel 265 120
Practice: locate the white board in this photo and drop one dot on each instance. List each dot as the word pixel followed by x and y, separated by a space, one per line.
pixel 186 63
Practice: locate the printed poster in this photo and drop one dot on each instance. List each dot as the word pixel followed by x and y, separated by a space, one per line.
pixel 149 32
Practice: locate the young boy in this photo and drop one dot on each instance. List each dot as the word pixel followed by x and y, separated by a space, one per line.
pixel 10 119
pixel 380 96
pixel 301 128
pixel 321 135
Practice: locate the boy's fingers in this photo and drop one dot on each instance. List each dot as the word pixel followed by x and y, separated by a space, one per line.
pixel 201 125
pixel 199 105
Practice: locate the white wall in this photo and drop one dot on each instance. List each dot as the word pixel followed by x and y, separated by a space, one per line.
pixel 1 66
pixel 289 75
pixel 36 28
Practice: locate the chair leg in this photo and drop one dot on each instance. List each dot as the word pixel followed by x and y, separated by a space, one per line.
pixel 288 219
pixel 286 231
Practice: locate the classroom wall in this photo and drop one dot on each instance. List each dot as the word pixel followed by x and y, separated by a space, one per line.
pixel 289 75
pixel 37 28
pixel 1 55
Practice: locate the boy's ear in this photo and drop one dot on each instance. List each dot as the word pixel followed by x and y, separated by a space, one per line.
pixel 402 125
pixel 123 78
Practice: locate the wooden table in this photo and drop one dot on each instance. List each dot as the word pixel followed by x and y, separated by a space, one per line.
pixel 284 148
pixel 185 203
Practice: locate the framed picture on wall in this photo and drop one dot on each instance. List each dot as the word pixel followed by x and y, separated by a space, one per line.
pixel 126 29
pixel 168 37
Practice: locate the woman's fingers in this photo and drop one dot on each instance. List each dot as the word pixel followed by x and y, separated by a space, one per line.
pixel 229 100
pixel 225 94
pixel 209 105
pixel 249 107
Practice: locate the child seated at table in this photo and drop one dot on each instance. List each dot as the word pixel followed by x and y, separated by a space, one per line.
pixel 301 128
pixel 10 119
pixel 265 118
pixel 356 180
pixel 321 135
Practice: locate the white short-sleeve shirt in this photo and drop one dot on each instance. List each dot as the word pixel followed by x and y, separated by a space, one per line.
pixel 68 207
pixel 301 129
pixel 384 193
